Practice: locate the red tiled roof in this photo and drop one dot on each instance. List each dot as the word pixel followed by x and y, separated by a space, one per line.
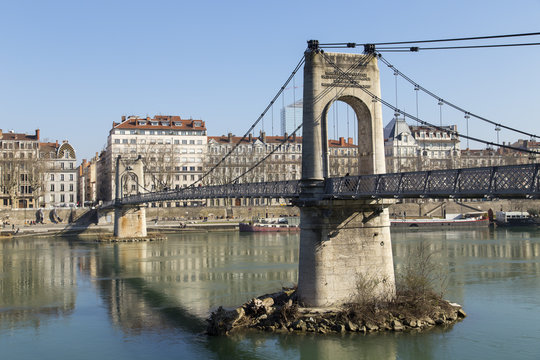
pixel 224 139
pixel 133 123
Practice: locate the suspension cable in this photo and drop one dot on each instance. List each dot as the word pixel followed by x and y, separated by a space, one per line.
pixel 440 99
pixel 350 45
pixel 405 114
pixel 269 106
pixel 351 69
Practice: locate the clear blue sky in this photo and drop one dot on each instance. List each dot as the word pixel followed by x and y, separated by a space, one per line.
pixel 71 68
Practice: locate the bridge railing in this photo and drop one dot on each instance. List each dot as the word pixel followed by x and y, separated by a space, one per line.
pixel 278 189
pixel 500 181
pixel 513 181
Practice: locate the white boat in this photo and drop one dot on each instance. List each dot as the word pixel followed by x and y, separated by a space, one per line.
pixel 477 219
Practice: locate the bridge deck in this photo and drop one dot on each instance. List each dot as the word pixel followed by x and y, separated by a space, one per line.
pixel 513 181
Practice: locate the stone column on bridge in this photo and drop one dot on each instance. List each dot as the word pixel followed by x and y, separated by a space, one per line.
pixel 129 220
pixel 345 245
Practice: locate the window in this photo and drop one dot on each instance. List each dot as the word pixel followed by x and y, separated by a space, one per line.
pixel 117 141
pixel 52 177
pixel 71 177
pixel 71 165
pixel 52 188
pixel 61 187
pixel 61 177
pixel 61 166
pixel 70 187
pixel 62 198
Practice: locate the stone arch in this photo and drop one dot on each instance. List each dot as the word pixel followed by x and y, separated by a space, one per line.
pixel 129 184
pixel 324 84
pixel 364 133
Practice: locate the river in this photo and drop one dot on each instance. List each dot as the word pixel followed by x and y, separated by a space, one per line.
pixel 64 298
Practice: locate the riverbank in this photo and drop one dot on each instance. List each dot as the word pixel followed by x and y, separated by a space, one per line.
pixel 104 230
pixel 281 312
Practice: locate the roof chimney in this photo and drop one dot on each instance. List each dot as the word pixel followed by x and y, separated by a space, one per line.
pixel 263 136
pixel 37 134
pixel 123 118
pixel 250 137
pixel 230 137
pixel 350 140
pixel 341 141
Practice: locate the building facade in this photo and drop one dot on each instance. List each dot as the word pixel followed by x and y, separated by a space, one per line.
pixel 21 173
pixel 416 148
pixel 87 183
pixel 60 181
pixel 36 174
pixel 172 150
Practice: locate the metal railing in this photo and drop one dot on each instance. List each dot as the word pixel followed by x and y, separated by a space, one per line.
pixel 513 181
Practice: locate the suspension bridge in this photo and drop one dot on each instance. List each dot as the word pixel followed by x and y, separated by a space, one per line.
pixel 344 220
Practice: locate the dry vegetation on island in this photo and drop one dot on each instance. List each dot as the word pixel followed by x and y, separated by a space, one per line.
pixel 417 304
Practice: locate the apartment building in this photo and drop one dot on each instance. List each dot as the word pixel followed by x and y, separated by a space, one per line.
pixel 172 150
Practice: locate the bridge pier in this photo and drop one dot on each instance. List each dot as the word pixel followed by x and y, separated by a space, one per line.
pixel 345 248
pixel 345 245
pixel 130 221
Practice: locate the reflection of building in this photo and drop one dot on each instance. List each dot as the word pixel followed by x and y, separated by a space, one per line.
pixel 193 274
pixel 39 281
pixel 291 117
pixel 171 148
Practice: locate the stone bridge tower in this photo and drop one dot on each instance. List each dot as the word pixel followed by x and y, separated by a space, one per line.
pixel 345 245
pixel 129 220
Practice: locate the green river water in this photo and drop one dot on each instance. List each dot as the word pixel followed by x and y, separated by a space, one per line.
pixel 64 298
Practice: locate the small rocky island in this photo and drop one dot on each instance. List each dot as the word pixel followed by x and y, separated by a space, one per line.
pixel 280 312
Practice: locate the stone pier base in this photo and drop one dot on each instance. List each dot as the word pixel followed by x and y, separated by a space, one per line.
pixel 345 248
pixel 130 221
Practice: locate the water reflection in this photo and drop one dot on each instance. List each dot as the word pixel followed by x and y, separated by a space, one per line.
pixel 169 287
pixel 178 281
pixel 38 282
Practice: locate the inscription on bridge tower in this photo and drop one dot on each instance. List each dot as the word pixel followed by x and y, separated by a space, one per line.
pixel 343 243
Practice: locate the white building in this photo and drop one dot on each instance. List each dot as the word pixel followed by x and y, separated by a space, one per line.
pixel 414 148
pixel 60 181
pixel 291 117
pixel 172 149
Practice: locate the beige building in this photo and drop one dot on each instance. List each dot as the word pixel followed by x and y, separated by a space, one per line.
pixel 21 179
pixel 172 149
pixel 416 148
pixel 284 160
pixel 36 174
pixel 87 182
